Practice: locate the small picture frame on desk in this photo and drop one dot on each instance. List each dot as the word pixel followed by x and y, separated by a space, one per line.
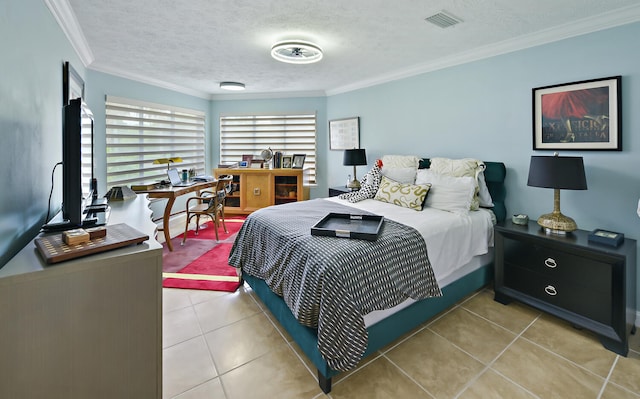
pixel 605 237
pixel 243 164
pixel 298 161
pixel 286 161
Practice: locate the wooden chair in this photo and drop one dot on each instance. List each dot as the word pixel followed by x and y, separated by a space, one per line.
pixel 209 203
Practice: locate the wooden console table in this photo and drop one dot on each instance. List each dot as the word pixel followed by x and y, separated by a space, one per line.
pixel 171 193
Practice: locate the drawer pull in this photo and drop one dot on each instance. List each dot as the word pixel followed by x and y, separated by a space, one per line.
pixel 550 290
pixel 550 262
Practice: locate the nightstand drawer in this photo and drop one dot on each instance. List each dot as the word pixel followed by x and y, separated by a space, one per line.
pixel 559 265
pixel 561 293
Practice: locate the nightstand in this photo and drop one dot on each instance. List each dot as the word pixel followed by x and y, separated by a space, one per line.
pixel 590 285
pixel 335 191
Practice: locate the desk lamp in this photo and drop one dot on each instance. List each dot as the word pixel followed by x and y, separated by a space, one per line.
pixel 168 161
pixel 557 173
pixel 355 157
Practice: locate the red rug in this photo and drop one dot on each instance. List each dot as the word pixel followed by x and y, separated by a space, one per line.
pixel 201 263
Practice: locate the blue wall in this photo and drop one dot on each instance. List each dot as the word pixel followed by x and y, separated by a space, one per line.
pixel 33 50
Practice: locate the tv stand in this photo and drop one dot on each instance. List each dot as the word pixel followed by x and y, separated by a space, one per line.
pixel 89 327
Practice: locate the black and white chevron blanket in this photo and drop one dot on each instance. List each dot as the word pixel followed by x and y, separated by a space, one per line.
pixel 329 283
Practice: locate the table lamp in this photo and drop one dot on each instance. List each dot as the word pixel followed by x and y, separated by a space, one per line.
pixel 168 161
pixel 355 157
pixel 558 173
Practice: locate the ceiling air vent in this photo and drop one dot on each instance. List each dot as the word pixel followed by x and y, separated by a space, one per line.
pixel 443 19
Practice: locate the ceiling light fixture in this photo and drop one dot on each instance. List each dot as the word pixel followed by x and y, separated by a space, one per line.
pixel 235 86
pixel 296 52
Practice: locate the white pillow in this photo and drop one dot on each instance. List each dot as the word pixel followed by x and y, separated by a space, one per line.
pixel 401 168
pixel 483 192
pixel 460 167
pixel 401 175
pixel 448 193
pixel 400 161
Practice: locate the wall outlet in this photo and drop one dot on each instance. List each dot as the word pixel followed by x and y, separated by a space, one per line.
pixel 256 191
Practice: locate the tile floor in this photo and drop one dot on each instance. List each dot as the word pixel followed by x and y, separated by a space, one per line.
pixel 226 346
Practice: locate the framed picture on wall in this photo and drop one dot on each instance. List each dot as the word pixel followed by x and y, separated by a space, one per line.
pixel 585 115
pixel 344 134
pixel 72 84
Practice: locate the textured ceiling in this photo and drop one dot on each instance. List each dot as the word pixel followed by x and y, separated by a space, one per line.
pixel 193 45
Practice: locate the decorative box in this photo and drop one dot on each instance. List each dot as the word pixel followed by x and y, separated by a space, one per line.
pixel 606 237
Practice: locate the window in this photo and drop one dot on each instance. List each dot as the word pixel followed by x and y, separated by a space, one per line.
pixel 140 132
pixel 250 134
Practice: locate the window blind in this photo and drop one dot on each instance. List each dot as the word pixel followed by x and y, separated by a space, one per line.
pixel 250 134
pixel 140 132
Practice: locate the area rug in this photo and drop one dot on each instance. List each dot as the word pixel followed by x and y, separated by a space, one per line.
pixel 201 263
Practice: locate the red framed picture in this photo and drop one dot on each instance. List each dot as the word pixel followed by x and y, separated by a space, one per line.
pixel 583 115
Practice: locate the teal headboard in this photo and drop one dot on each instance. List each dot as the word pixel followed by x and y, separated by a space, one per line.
pixel 494 176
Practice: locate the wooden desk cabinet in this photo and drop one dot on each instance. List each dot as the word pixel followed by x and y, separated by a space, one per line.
pixel 590 285
pixel 85 328
pixel 258 188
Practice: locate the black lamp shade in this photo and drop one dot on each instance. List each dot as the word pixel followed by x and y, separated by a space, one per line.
pixel 557 172
pixel 355 157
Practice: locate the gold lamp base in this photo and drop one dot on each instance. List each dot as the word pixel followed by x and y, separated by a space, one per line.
pixel 354 185
pixel 557 223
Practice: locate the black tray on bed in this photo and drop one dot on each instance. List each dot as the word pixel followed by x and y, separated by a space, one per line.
pixel 345 225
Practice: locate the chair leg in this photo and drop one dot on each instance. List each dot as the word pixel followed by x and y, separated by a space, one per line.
pixel 222 217
pixel 216 223
pixel 197 224
pixel 186 229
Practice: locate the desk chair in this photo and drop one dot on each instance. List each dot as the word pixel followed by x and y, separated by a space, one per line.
pixel 209 203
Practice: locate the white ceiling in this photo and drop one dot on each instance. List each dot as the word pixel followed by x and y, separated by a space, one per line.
pixel 193 45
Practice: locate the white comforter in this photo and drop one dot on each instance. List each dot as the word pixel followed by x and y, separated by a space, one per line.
pixel 452 240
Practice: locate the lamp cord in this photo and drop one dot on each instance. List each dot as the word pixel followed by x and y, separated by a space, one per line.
pixel 51 192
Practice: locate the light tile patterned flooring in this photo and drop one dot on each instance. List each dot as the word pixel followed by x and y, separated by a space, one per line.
pixel 226 346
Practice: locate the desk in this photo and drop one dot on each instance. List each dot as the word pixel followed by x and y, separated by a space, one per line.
pixel 171 193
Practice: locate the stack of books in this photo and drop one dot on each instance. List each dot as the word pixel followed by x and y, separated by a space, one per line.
pixel 277 159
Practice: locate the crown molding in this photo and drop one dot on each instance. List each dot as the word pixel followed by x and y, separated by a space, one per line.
pixel 608 20
pixel 96 66
pixel 270 95
pixel 67 20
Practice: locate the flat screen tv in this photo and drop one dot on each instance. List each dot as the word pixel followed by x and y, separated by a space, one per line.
pixel 77 161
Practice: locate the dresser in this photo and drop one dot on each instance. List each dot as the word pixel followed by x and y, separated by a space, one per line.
pixel 253 189
pixel 592 286
pixel 90 327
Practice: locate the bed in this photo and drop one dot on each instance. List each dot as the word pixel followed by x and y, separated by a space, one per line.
pixel 338 343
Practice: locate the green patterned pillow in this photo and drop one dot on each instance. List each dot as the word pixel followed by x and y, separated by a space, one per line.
pixel 403 194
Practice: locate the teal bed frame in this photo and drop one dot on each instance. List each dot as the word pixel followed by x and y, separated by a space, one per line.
pixel 393 327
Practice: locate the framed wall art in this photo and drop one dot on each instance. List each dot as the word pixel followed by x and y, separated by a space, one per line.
pixel 72 84
pixel 585 115
pixel 344 134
